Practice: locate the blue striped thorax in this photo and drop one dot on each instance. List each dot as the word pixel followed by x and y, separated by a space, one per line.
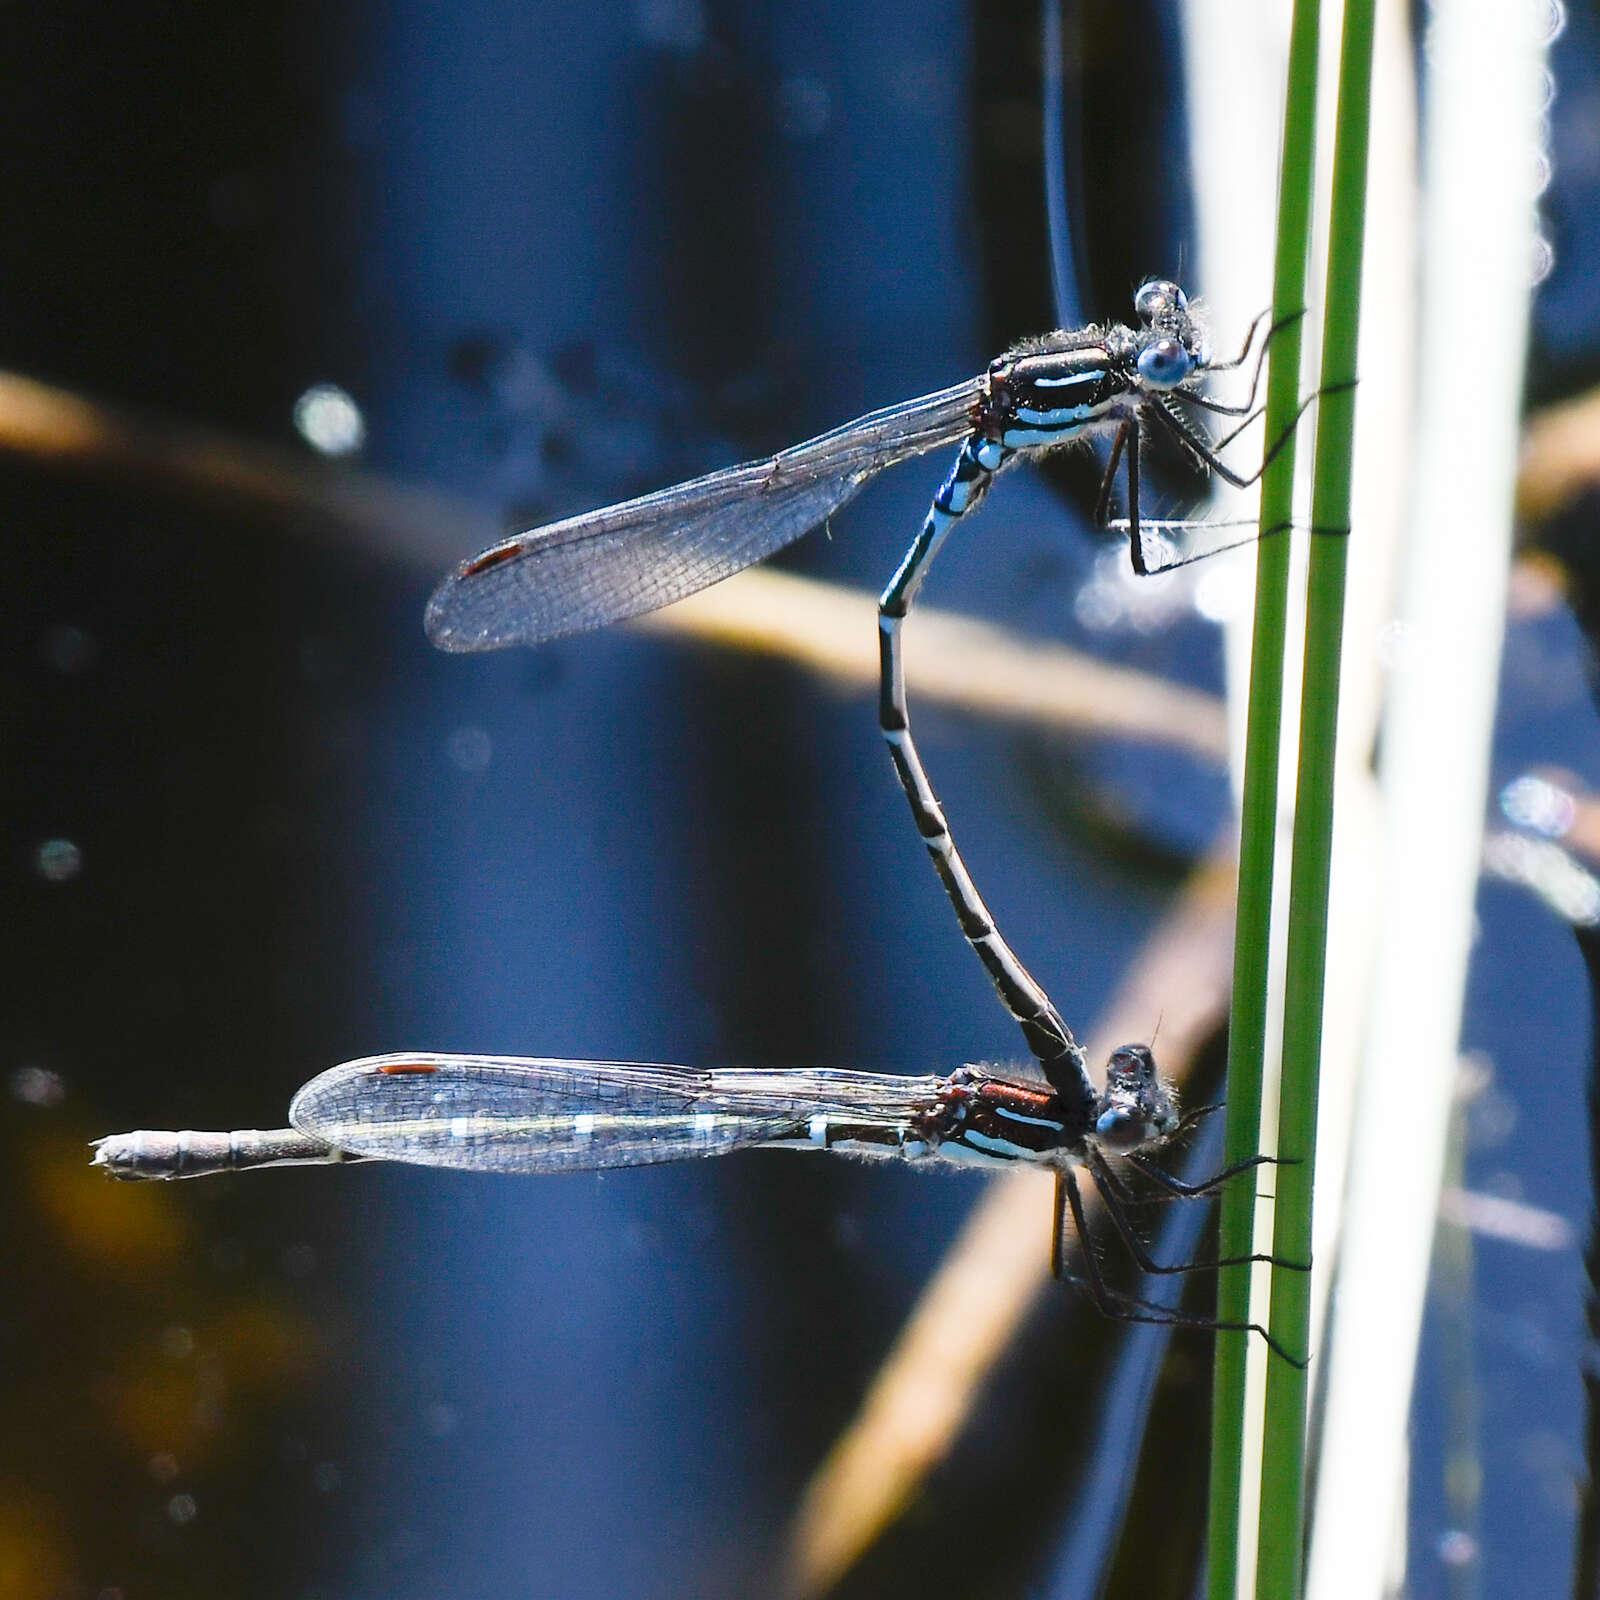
pixel 1047 391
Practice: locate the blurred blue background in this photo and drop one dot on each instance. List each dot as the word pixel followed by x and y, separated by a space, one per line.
pixel 559 255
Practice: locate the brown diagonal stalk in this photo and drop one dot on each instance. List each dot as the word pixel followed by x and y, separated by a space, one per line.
pixel 956 662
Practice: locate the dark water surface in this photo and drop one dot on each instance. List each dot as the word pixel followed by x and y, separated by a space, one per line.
pixel 561 254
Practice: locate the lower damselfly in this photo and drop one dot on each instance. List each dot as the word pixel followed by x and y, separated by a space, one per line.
pixel 525 1115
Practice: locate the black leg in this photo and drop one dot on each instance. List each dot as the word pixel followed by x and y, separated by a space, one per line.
pixel 1116 1196
pixel 1235 544
pixel 1244 350
pixel 1135 540
pixel 1193 1118
pixel 1126 439
pixel 1188 1191
pixel 1206 403
pixel 1193 444
pixel 1102 505
pixel 1239 360
pixel 1121 1307
pixel 1180 429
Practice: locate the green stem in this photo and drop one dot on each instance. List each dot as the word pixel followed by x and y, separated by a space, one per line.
pixel 1280 1561
pixel 1247 1030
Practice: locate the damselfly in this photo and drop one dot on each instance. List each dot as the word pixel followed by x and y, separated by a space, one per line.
pixel 617 562
pixel 530 1115
pixel 1110 382
pixel 524 1115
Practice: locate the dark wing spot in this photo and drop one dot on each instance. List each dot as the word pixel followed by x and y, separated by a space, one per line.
pixel 498 556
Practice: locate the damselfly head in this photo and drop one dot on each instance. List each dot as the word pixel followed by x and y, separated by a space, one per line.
pixel 1138 1107
pixel 1156 299
pixel 1171 346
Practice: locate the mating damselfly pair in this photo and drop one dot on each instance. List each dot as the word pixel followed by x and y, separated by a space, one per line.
pixel 534 1115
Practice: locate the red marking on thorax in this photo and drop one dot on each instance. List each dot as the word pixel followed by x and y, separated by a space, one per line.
pixel 1019 1097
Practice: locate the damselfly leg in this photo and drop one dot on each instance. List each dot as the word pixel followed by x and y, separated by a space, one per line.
pixel 1116 1304
pixel 1180 1190
pixel 1247 406
pixel 1118 1197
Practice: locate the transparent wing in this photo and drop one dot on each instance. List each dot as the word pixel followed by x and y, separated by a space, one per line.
pixel 622 560
pixel 515 1114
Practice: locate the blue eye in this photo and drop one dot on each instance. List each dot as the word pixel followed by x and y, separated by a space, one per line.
pixel 1158 296
pixel 1121 1128
pixel 1165 363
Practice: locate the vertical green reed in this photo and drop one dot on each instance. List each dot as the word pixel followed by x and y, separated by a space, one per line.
pixel 1280 1559
pixel 1259 812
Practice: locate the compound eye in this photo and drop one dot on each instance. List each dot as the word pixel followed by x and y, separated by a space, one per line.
pixel 1121 1128
pixel 1157 296
pixel 1165 363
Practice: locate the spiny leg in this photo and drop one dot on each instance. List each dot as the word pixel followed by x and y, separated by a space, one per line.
pixel 1116 1306
pixel 1193 1117
pixel 1162 409
pixel 1187 1191
pixel 1048 1036
pixel 1215 447
pixel 1117 1198
pixel 1239 360
pixel 1175 1188
pixel 1250 413
pixel 1135 537
pixel 1249 339
pixel 1102 504
pixel 1122 1307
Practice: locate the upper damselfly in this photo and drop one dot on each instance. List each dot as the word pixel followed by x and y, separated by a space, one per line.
pixel 1111 382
